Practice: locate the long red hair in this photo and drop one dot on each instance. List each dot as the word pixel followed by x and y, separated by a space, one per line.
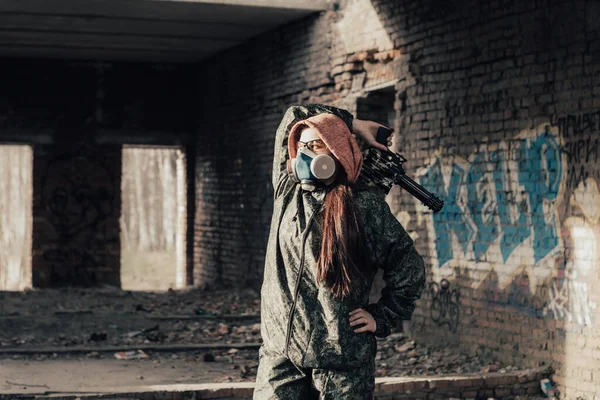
pixel 344 254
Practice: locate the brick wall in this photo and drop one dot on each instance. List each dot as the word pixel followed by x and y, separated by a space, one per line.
pixel 497 107
pixel 244 94
pixel 77 116
pixel 503 122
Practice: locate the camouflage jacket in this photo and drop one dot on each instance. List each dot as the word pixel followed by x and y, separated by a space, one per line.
pixel 300 318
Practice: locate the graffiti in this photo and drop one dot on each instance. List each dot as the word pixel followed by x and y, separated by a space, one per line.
pixel 444 305
pixel 559 298
pixel 569 297
pixel 582 150
pixel 582 147
pixel 502 199
pixel 78 195
pixel 587 198
pixel 453 218
pixel 577 125
pixel 501 220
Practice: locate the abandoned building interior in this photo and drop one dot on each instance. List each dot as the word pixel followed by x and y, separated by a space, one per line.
pixel 136 150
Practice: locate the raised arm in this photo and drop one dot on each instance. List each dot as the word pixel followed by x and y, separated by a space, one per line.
pixel 292 115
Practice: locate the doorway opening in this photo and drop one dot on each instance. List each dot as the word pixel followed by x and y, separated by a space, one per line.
pixel 153 218
pixel 16 220
pixel 378 106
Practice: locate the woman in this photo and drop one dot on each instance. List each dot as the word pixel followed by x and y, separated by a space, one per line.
pixel 329 235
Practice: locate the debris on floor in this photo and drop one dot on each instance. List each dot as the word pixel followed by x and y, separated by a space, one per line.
pixel 97 318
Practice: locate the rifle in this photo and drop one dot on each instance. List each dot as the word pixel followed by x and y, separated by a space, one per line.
pixel 384 169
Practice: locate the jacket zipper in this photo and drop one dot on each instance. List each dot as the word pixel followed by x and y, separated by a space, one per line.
pixel 297 287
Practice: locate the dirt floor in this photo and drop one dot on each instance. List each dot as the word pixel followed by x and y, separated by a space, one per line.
pixel 46 321
pixel 77 373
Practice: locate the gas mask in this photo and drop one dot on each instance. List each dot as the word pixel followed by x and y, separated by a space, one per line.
pixel 309 168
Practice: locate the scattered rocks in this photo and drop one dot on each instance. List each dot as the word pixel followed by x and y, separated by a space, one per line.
pixel 114 317
pixel 405 347
pixel 399 356
pixel 222 329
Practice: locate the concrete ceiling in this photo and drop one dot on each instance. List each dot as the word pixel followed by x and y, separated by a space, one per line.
pixel 139 30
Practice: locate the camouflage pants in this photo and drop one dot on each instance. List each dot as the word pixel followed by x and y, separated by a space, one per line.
pixel 279 378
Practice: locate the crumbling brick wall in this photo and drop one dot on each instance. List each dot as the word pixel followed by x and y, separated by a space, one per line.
pixel 496 108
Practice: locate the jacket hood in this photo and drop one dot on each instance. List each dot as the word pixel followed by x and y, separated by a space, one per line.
pixel 336 135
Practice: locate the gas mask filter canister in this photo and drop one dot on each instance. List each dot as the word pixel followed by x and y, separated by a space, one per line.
pixel 309 168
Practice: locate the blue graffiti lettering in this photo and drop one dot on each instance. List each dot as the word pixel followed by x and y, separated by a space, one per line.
pixel 540 173
pixel 452 218
pixel 481 204
pixel 513 217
